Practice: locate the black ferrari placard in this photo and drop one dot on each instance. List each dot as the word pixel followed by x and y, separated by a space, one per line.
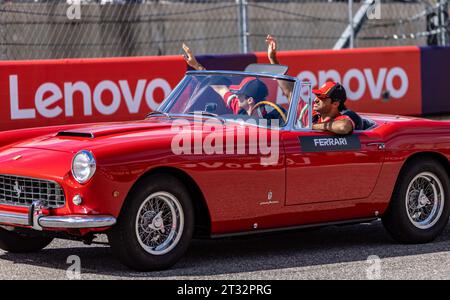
pixel 329 143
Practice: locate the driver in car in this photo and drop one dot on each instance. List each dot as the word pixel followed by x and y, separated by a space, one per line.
pixel 242 99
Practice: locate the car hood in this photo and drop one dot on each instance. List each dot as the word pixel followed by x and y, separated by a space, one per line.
pixel 27 162
pixel 96 135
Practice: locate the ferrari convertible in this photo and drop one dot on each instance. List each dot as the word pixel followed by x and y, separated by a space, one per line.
pixel 196 168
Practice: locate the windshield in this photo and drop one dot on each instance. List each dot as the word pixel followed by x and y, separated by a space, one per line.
pixel 232 97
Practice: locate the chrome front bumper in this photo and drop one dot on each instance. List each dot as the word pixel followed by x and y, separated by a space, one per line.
pixel 39 221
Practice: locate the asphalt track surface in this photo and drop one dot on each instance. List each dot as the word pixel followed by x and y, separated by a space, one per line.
pixel 327 253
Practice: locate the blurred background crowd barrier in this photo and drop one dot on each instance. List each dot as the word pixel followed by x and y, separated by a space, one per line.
pixel 45 29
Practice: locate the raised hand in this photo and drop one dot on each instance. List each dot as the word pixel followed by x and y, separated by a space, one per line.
pixel 271 49
pixel 190 58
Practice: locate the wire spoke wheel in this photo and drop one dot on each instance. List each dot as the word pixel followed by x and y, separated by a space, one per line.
pixel 425 200
pixel 159 223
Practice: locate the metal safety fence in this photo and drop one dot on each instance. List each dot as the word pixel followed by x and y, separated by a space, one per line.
pixel 39 29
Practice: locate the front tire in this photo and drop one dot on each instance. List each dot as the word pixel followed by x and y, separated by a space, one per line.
pixel 155 226
pixel 14 242
pixel 419 208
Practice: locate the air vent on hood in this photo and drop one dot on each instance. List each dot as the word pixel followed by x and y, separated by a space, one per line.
pixel 75 134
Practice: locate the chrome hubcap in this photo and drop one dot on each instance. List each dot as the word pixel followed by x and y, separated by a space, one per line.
pixel 425 200
pixel 159 223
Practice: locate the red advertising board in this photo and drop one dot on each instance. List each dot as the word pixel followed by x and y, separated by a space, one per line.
pixel 41 93
pixel 52 92
pixel 381 80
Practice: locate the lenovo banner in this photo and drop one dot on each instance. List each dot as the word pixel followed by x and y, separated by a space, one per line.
pixel 52 92
pixel 40 93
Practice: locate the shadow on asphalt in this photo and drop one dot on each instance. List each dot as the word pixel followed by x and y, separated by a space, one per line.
pixel 248 254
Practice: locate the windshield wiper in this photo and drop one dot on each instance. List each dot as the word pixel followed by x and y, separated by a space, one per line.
pixel 156 113
pixel 208 114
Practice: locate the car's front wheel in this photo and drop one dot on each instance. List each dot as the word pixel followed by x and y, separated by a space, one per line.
pixel 419 208
pixel 155 226
pixel 14 242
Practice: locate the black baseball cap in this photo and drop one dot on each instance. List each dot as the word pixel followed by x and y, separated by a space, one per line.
pixel 251 87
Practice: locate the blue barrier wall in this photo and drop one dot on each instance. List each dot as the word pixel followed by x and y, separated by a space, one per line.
pixel 435 73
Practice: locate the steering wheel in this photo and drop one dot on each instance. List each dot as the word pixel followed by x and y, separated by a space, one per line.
pixel 275 106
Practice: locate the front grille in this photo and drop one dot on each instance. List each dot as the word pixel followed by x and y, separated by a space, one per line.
pixel 22 191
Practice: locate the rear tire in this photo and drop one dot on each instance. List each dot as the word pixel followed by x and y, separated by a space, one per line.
pixel 14 242
pixel 419 208
pixel 155 225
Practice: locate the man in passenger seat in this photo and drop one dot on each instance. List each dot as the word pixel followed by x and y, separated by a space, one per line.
pixel 272 55
pixel 328 105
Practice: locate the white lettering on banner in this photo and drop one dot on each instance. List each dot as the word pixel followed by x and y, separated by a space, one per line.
pixel 16 112
pixel 375 88
pixel 397 72
pixel 133 102
pixel 324 76
pixel 82 87
pixel 107 85
pixel 359 76
pixel 156 83
pixel 308 76
pixel 48 94
pixel 42 103
pixel 363 79
pixel 107 96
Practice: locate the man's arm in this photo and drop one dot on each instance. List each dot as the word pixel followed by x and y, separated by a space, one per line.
pixel 272 50
pixel 190 59
pixel 342 126
pixel 272 55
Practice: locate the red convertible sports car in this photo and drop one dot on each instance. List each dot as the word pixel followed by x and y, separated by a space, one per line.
pixel 204 165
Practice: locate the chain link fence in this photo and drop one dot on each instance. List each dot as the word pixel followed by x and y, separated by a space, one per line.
pixel 40 29
pixel 405 23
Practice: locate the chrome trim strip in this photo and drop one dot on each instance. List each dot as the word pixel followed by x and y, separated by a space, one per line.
pixel 70 222
pixel 293 228
pixel 82 221
pixel 14 218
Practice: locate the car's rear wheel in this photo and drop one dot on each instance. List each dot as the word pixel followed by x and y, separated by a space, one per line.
pixel 419 208
pixel 155 226
pixel 17 243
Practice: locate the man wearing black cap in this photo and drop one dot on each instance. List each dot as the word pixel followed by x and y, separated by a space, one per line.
pixel 243 97
pixel 328 104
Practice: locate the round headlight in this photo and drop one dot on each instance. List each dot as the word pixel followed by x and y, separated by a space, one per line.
pixel 83 166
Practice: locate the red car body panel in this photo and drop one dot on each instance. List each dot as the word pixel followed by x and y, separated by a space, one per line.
pixel 306 188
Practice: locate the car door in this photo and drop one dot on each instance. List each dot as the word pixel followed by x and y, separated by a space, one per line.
pixel 243 183
pixel 324 167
